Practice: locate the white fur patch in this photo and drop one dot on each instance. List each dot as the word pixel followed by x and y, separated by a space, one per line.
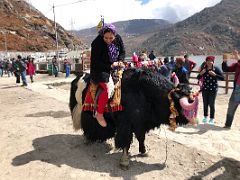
pixel 76 114
pixel 110 86
pixel 81 86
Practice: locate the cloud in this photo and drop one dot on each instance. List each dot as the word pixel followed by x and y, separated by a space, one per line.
pixel 87 13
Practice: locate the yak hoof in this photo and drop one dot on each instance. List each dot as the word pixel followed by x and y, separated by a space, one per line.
pixel 124 163
pixel 124 168
pixel 145 154
pixel 87 141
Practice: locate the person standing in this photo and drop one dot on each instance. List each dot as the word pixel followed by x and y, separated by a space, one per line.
pixel 181 71
pixel 31 68
pixel 55 66
pixel 107 49
pixel 22 69
pixel 1 68
pixel 189 65
pixel 234 100
pixel 151 56
pixel 67 67
pixel 211 74
pixel 165 69
pixel 9 67
pixel 15 69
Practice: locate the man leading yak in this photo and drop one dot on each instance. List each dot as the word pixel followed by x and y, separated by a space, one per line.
pixel 107 49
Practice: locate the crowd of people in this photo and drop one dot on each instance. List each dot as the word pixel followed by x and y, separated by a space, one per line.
pixel 18 67
pixel 21 67
pixel 54 64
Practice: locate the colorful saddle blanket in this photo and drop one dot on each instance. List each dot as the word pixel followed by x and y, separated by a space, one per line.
pixel 115 101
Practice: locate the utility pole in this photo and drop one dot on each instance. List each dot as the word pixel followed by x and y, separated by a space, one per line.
pixel 30 5
pixel 5 42
pixel 72 24
pixel 56 35
pixel 5 39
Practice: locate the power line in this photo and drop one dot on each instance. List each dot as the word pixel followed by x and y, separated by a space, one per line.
pixel 48 11
pixel 67 4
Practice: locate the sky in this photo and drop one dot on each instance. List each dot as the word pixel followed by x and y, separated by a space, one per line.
pixel 80 14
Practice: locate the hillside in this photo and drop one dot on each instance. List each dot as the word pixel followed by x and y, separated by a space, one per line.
pixel 134 32
pixel 211 31
pixel 24 28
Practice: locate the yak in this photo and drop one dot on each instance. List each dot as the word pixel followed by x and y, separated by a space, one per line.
pixel 146 105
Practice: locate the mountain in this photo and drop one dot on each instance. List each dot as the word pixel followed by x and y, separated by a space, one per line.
pixel 134 32
pixel 24 28
pixel 214 30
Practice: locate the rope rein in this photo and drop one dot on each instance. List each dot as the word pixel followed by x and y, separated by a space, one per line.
pixel 173 110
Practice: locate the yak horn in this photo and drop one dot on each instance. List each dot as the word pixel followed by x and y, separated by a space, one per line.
pixel 186 105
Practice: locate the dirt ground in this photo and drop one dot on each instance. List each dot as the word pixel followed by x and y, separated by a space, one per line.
pixel 38 142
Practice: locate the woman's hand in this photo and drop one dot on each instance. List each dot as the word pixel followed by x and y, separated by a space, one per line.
pixel 203 71
pixel 114 64
pixel 212 73
pixel 235 55
pixel 117 64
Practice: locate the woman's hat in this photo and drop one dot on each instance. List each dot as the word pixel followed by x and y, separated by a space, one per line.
pixel 210 58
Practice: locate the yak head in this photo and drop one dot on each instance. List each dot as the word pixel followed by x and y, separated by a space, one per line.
pixel 186 102
pixel 156 89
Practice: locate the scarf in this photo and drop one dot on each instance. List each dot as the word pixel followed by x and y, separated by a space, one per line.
pixel 113 52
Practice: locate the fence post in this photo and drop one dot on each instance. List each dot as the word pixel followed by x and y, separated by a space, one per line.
pixel 37 67
pixel 227 83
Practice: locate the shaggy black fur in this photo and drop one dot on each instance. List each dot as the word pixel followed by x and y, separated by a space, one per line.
pixel 145 106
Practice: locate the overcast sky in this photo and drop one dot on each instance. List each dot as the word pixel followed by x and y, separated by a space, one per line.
pixel 80 14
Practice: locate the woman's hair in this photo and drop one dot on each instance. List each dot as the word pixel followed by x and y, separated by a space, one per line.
pixel 180 61
pixel 107 28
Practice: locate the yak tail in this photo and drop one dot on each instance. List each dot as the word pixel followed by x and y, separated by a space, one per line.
pixel 76 113
pixel 76 117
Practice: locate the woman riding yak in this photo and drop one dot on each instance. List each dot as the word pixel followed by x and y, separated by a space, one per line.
pixel 107 50
pixel 147 99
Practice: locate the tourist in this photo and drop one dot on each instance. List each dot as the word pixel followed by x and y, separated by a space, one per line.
pixel 211 74
pixel 67 67
pixel 31 68
pixel 55 66
pixel 107 50
pixel 234 100
pixel 189 65
pixel 181 71
pixel 151 56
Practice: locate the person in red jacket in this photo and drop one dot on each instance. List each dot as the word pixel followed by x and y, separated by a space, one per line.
pixel 31 68
pixel 189 65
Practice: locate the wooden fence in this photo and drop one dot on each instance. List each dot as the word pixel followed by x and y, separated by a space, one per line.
pixel 85 65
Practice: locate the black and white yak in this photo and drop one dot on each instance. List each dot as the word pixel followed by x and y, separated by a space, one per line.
pixel 146 105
